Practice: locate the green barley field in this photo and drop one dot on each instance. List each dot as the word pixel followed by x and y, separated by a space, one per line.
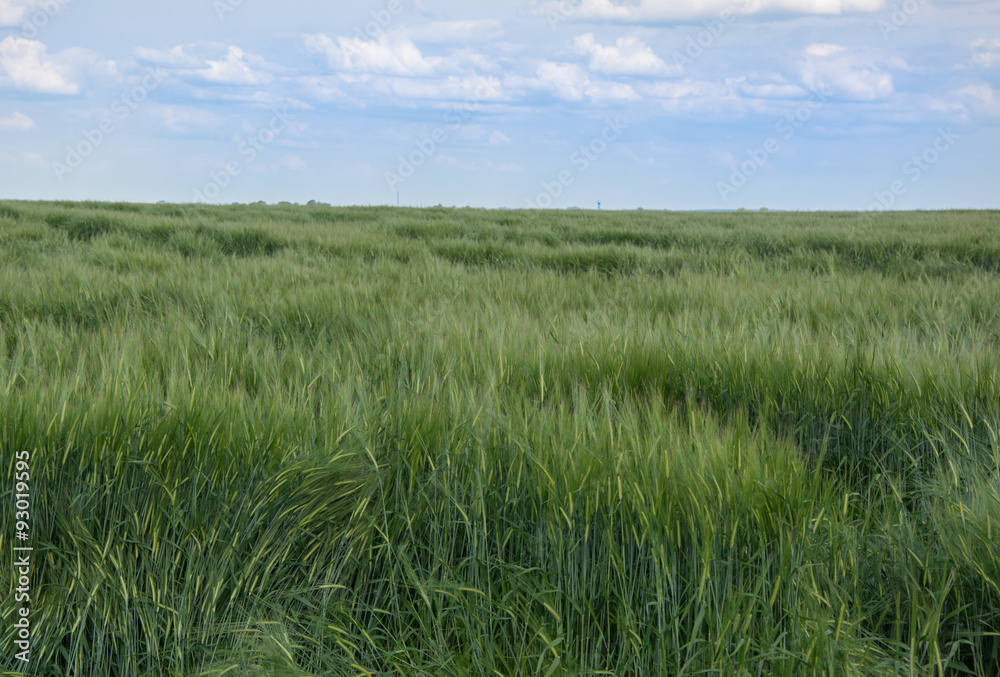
pixel 304 440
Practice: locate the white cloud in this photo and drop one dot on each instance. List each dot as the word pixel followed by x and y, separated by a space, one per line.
pixel 773 91
pixel 17 122
pixel 727 99
pixel 358 89
pixel 258 98
pixel 27 159
pixel 473 89
pixel 392 68
pixel 773 87
pixel 184 119
pixel 324 88
pixel 697 96
pixel 234 70
pixel 572 83
pixel 212 62
pixel 498 138
pixel 568 81
pixel 616 92
pixel 393 54
pixel 14 12
pixel 628 56
pixel 392 63
pixel 670 10
pixel 822 49
pixel 181 56
pixel 26 65
pixel 682 89
pixel 983 98
pixel 855 74
pixel 986 53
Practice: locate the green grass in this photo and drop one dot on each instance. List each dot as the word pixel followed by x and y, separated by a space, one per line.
pixel 334 441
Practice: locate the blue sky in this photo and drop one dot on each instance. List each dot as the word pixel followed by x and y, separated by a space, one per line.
pixel 661 104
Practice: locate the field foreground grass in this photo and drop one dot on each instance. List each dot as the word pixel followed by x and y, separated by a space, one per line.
pixel 304 441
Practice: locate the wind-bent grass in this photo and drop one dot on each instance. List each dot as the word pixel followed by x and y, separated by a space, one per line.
pixel 319 441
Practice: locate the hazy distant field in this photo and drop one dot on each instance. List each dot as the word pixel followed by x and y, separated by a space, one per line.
pixel 322 441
